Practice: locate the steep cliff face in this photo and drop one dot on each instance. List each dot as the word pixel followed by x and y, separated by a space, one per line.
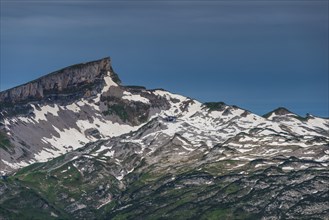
pixel 78 78
pixel 67 109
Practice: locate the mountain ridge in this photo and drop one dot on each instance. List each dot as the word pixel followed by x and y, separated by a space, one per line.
pixel 122 152
pixel 10 95
pixel 59 81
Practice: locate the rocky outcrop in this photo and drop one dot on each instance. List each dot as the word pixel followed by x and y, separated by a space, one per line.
pixel 65 81
pixel 278 111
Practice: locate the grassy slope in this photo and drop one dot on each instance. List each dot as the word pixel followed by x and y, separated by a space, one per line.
pixel 209 192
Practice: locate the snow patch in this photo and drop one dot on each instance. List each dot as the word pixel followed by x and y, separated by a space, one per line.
pixel 46 109
pixel 109 153
pixel 134 97
pixel 108 82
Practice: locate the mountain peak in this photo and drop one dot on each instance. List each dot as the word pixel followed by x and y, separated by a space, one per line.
pixel 282 111
pixel 278 111
pixel 74 79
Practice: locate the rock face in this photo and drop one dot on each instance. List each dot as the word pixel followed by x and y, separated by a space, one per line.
pixel 90 148
pixel 64 81
pixel 69 108
pixel 279 111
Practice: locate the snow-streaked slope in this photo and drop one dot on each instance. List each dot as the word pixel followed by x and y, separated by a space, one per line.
pixel 202 127
pixel 54 128
pixel 238 136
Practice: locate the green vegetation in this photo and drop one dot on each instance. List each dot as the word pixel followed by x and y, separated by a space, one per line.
pixel 210 191
pixel 4 141
pixel 118 110
pixel 135 112
pixel 28 169
pixel 225 213
pixel 56 185
pixel 232 188
pixel 218 214
pixel 25 210
pixel 215 106
pixel 123 216
pixel 218 168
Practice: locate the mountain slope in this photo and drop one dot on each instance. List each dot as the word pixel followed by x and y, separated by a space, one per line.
pixel 67 109
pixel 94 149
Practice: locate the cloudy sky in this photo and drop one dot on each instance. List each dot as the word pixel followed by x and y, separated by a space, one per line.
pixel 256 54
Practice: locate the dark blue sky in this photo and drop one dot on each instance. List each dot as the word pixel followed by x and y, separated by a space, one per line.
pixel 258 55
